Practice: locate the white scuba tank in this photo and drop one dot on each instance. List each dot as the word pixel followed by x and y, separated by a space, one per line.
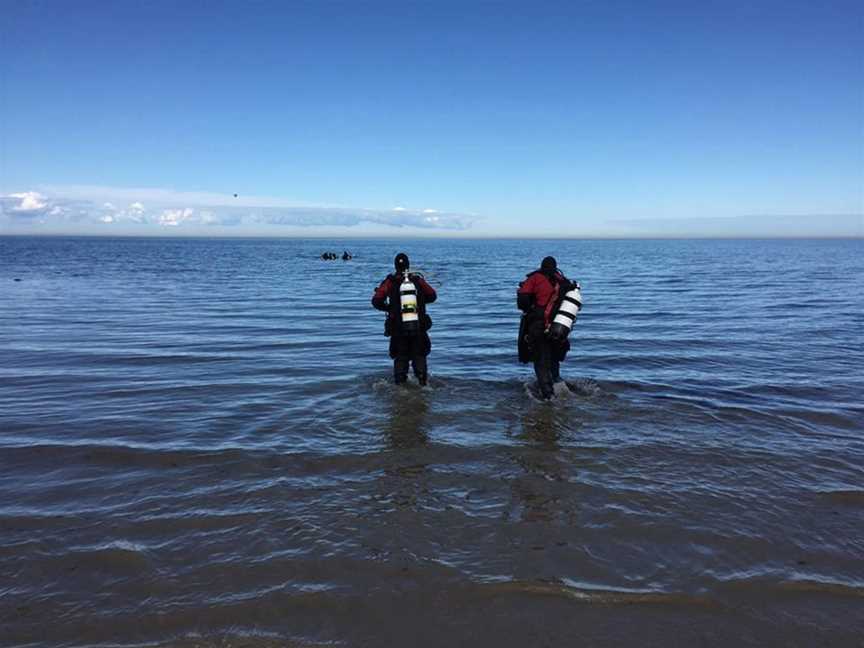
pixel 566 314
pixel 408 306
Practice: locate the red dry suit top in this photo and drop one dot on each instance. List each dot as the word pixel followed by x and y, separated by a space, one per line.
pixel 545 293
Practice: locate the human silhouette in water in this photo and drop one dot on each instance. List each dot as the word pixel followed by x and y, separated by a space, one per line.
pixel 540 339
pixel 403 296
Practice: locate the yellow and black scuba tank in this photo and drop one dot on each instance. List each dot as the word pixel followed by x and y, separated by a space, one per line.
pixel 565 315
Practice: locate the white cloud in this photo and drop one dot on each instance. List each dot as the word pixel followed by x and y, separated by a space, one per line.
pixel 173 217
pixel 134 213
pixel 30 201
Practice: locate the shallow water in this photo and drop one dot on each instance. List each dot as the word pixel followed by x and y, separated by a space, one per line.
pixel 201 446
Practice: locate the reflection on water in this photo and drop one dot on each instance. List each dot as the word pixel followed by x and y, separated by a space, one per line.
pixel 543 425
pixel 405 424
pixel 404 484
pixel 540 459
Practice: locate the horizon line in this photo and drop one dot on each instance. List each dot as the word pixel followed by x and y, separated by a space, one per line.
pixel 432 238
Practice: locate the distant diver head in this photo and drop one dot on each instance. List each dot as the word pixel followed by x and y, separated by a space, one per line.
pixel 549 265
pixel 401 262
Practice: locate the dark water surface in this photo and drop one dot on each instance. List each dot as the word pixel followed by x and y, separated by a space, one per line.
pixel 200 446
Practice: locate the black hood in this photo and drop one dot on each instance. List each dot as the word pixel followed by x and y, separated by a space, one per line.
pixel 401 262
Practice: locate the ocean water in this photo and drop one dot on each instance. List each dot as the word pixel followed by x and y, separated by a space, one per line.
pixel 200 445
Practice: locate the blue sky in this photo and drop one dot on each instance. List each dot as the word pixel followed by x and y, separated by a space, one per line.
pixel 438 118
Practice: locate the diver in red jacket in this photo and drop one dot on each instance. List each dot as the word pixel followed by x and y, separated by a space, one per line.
pixel 404 296
pixel 539 296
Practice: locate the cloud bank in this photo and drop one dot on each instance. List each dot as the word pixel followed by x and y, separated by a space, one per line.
pixel 152 210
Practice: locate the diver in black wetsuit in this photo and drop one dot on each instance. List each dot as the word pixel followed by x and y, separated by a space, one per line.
pixel 538 297
pixel 404 296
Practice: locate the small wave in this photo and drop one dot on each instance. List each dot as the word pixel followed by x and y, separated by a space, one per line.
pixel 587 387
pixel 565 390
pixel 595 595
pixel 115 557
pixel 241 461
pixel 822 418
pixel 560 392
pixel 234 639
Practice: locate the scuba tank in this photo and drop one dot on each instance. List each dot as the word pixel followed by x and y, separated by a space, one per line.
pixel 565 315
pixel 408 306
